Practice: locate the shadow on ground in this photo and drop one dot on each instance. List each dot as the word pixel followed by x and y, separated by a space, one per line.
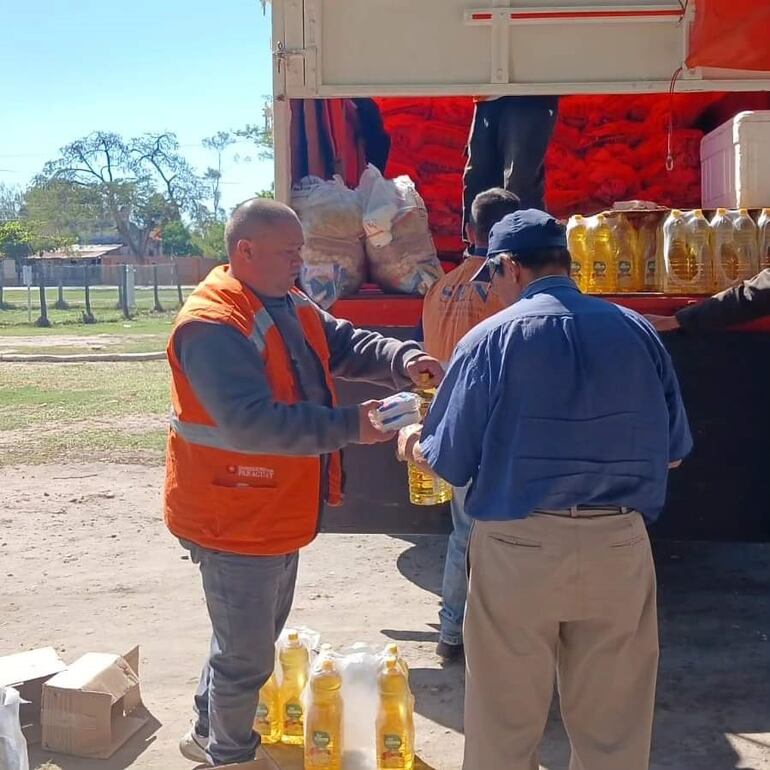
pixel 713 703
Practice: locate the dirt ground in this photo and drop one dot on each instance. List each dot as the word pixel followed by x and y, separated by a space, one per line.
pixel 85 564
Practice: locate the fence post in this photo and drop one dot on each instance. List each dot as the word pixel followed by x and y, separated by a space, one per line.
pixel 43 320
pixel 178 284
pixel 2 284
pixel 158 306
pixel 60 303
pixel 88 316
pixel 124 292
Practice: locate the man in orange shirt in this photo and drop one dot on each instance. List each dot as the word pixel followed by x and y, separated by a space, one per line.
pixel 452 307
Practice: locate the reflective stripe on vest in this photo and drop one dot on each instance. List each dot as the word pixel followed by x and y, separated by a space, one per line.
pixel 202 435
pixel 262 325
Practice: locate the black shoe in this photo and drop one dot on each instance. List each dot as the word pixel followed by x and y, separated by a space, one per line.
pixel 449 652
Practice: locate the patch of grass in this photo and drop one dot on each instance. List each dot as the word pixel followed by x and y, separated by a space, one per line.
pixel 74 392
pixel 65 412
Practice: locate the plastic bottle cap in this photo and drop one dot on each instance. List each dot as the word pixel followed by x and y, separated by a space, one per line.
pixel 392 649
pixel 697 212
pixel 292 635
pixel 721 211
pixel 676 213
pixel 601 218
pixel 327 665
pixel 578 217
pixel 743 212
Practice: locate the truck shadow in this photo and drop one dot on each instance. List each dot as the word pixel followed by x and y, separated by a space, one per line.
pixel 712 697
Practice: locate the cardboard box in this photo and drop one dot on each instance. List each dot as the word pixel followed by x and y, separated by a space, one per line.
pixel 94 706
pixel 27 672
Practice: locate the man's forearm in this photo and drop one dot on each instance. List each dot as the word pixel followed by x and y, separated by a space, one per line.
pixel 740 304
pixel 360 354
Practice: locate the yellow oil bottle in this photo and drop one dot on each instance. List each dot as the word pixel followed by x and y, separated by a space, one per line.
pixel 764 239
pixel 626 245
pixel 268 720
pixel 425 488
pixel 700 258
pixel 395 719
pixel 294 665
pixel 650 254
pixel 323 723
pixel 746 235
pixel 577 242
pixel 678 268
pixel 726 265
pixel 602 278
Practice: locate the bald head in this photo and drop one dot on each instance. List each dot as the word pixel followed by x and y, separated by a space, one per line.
pixel 252 218
pixel 264 244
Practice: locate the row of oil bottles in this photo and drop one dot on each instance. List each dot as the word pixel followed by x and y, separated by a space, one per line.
pixel 306 708
pixel 685 253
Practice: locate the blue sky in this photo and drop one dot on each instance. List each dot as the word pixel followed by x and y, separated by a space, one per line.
pixel 194 67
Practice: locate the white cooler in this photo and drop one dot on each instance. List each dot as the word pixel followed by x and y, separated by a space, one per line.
pixel 735 163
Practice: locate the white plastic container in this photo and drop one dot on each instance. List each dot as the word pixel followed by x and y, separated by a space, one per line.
pixel 735 163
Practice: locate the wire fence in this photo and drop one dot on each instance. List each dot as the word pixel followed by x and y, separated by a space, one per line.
pixel 46 295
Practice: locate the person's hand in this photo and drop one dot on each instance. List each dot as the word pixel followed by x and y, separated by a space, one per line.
pixel 663 323
pixel 407 441
pixel 674 464
pixel 425 371
pixel 367 433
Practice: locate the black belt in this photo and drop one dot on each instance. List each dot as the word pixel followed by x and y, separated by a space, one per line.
pixel 585 511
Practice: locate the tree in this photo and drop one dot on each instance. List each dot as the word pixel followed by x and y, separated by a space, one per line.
pixel 141 184
pixel 61 213
pixel 210 241
pixel 16 244
pixel 260 135
pixel 10 203
pixel 269 193
pixel 177 240
pixel 217 143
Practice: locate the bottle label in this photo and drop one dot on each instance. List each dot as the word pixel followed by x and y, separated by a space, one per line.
pixel 321 739
pixel 624 268
pixel 576 268
pixel 650 268
pixel 293 713
pixel 263 712
pixel 600 268
pixel 392 747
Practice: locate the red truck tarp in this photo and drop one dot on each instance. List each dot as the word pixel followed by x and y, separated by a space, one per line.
pixel 731 34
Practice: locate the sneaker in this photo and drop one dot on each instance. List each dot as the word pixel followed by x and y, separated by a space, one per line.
pixel 449 652
pixel 193 747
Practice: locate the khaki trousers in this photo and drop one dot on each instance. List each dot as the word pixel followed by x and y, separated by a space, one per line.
pixel 562 599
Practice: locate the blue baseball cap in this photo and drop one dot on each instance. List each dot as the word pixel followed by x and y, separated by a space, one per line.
pixel 526 230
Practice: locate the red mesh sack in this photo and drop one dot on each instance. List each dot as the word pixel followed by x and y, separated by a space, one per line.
pixel 455 110
pixel 446 134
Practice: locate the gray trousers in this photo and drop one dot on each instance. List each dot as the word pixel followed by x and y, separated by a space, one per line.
pixel 248 600
pixel 507 147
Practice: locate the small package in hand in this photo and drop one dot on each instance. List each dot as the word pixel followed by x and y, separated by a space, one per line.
pixel 397 412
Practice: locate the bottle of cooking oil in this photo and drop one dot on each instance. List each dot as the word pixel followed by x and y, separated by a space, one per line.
pixel 650 254
pixel 395 719
pixel 323 724
pixel 726 265
pixel 626 253
pixel 577 242
pixel 294 665
pixel 764 239
pixel 602 278
pixel 746 235
pixel 268 720
pixel 700 258
pixel 678 264
pixel 425 488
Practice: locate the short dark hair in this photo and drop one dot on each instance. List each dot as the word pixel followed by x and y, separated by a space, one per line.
pixel 489 207
pixel 538 260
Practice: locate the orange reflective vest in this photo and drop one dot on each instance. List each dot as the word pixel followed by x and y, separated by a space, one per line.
pixel 215 495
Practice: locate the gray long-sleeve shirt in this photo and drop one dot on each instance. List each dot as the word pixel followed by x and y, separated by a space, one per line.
pixel 228 376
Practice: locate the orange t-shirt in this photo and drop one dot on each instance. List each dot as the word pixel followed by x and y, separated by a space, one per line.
pixel 455 304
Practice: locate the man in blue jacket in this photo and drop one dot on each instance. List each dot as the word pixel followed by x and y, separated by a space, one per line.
pixel 564 414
